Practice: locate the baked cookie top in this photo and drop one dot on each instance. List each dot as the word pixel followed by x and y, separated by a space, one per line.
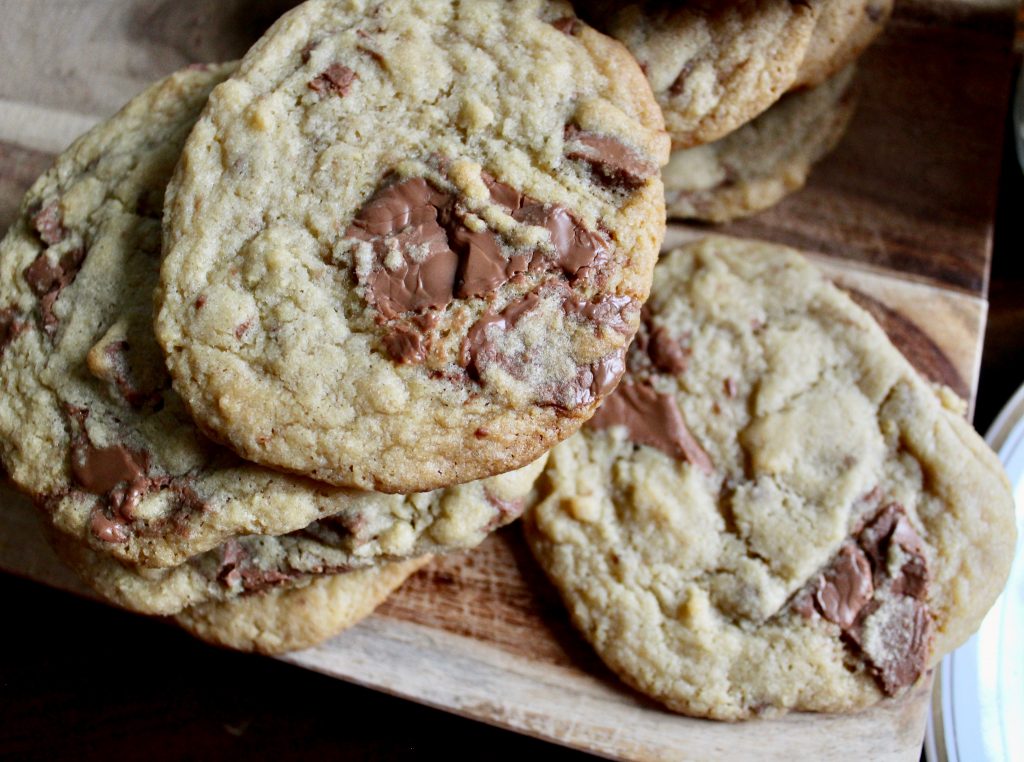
pixel 407 243
pixel 89 424
pixel 713 65
pixel 756 166
pixel 843 30
pixel 774 511
pixel 291 619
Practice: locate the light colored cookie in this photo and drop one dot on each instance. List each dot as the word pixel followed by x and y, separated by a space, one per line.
pixel 763 161
pixel 89 425
pixel 774 511
pixel 283 620
pixel 843 30
pixel 385 528
pixel 713 65
pixel 407 242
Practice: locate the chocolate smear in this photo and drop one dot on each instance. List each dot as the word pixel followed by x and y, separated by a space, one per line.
pixel 477 348
pixel 336 79
pixel 611 160
pixel 406 345
pixel 607 311
pixel 653 419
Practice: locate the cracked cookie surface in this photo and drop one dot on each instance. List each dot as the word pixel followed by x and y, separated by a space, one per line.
pixel 89 424
pixel 774 511
pixel 763 161
pixel 408 242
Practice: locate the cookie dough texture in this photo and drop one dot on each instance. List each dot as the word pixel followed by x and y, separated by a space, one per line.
pixel 284 620
pixel 830 530
pixel 89 424
pixel 713 66
pixel 763 161
pixel 408 242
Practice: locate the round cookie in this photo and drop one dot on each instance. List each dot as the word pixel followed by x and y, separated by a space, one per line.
pixel 282 620
pixel 386 528
pixel 763 161
pixel 843 31
pixel 773 511
pixel 713 66
pixel 89 424
pixel 407 245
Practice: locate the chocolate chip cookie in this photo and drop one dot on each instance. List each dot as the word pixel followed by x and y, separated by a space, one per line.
pixel 374 529
pixel 407 244
pixel 773 511
pixel 713 65
pixel 763 161
pixel 89 423
pixel 291 619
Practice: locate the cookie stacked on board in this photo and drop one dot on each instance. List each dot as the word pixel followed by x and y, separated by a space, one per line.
pixel 396 273
pixel 281 330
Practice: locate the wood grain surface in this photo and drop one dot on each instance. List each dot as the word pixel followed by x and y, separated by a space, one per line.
pixel 900 216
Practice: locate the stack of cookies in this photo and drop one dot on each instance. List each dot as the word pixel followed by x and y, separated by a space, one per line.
pixel 282 329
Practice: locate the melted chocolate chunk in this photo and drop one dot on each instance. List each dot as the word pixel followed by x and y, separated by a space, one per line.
pixel 11 326
pixel 49 224
pixel 136 391
pixel 567 25
pixel 485 267
pixel 477 348
pixel 845 588
pixel 508 510
pixel 592 383
pixel 47 281
pixel 406 345
pixel 604 312
pixel 862 591
pixel 110 530
pixel 652 419
pixel 576 248
pixel 237 568
pixel 611 160
pixel 100 469
pixel 336 79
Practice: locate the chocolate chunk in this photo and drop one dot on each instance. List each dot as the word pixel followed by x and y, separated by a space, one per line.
pixel 654 419
pixel 502 194
pixel 891 527
pixel 667 355
pixel 845 588
pixel 99 469
pixel 49 224
pixel 508 510
pixel 568 25
pixel 904 632
pixel 307 51
pixel 575 247
pixel 404 218
pixel 237 568
pixel 47 281
pixel 593 382
pixel 485 267
pixel 679 84
pixel 336 79
pixel 11 326
pixel 612 160
pixel 138 390
pixel 606 311
pixel 107 529
pixel 406 346
pixel 477 348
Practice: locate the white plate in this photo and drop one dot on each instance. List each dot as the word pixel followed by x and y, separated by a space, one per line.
pixel 978 704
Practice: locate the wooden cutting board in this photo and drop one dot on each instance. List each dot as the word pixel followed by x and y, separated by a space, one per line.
pixel 901 215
